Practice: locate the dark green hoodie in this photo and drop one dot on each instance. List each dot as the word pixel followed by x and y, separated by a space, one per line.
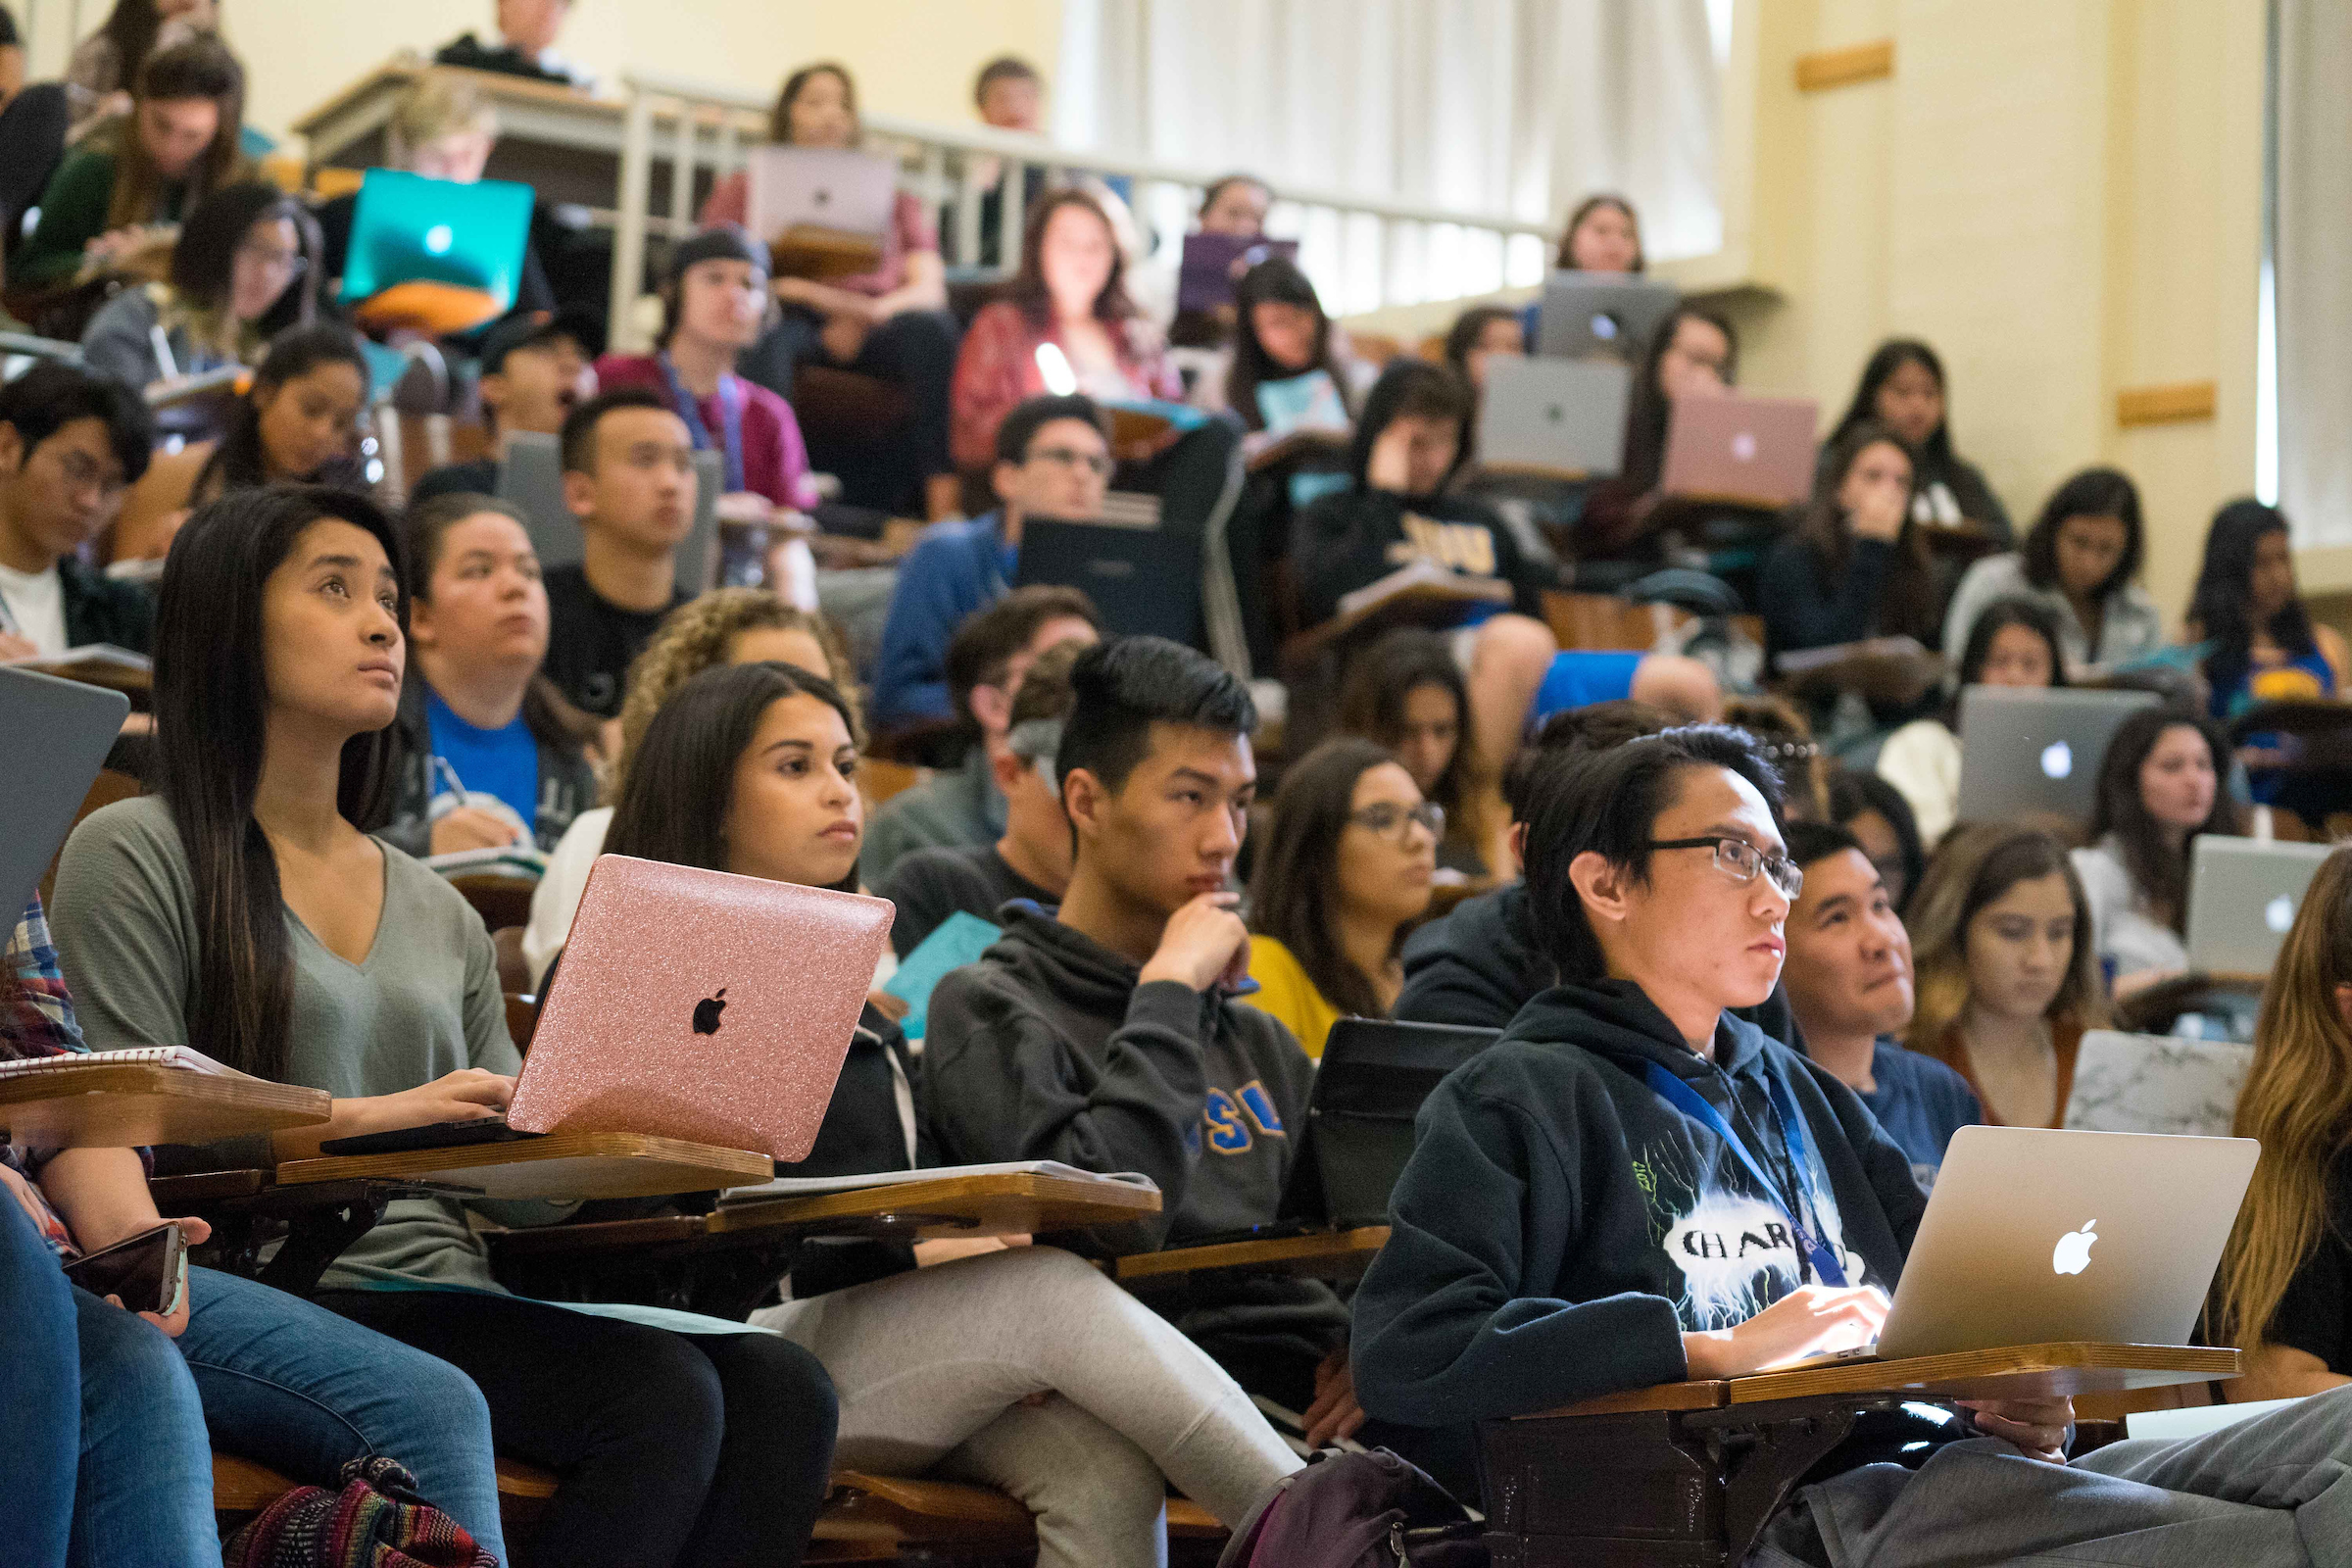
pixel 1561 1225
pixel 1049 1048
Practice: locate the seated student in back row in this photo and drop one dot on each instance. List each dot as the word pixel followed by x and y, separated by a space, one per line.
pixel 993 1361
pixel 492 755
pixel 1848 977
pixel 244 268
pixel 629 481
pixel 2080 562
pixel 324 956
pixel 1108 1035
pixel 1531 1261
pixel 725 627
pixel 1031 861
pixel 991 652
pixel 1855 565
pixel 1052 461
pixel 1343 875
pixel 70 442
pixel 536 368
pixel 2162 784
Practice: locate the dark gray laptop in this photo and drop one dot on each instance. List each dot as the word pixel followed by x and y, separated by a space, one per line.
pixel 1554 417
pixel 1144 581
pixel 532 476
pixel 59 732
pixel 1608 315
pixel 2031 749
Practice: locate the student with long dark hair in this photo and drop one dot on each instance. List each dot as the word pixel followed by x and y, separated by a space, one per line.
pixel 178 145
pixel 890 321
pixel 1853 567
pixel 1478 336
pixel 1287 370
pixel 2081 560
pixel 1903 388
pixel 1692 352
pixel 751 769
pixel 2008 980
pixel 245 268
pixel 297 423
pixel 2015 642
pixel 1406 694
pixel 2162 783
pixel 245 906
pixel 104 65
pixel 1602 234
pixel 1544 1236
pixel 2262 644
pixel 491 753
pixel 1345 874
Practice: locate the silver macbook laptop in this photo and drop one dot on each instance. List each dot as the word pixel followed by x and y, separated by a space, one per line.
pixel 1604 314
pixel 2243 895
pixel 2027 748
pixel 2156 1084
pixel 532 476
pixel 1740 451
pixel 2036 1237
pixel 59 732
pixel 821 187
pixel 1554 416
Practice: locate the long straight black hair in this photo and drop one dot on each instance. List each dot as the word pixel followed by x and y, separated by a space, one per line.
pixel 1935 451
pixel 1276 280
pixel 237 463
pixel 1648 410
pixel 1295 897
pixel 682 778
pixel 2221 606
pixel 211 711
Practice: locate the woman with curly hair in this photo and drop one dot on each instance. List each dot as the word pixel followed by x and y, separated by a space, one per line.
pixel 730 626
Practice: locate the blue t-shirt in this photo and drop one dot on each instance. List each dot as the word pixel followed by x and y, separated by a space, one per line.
pixel 1578 679
pixel 504 763
pixel 1921 1102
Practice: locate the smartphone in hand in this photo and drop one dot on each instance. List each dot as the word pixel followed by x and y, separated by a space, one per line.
pixel 147 1273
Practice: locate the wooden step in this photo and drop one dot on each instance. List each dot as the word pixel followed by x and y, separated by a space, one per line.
pixel 243 1486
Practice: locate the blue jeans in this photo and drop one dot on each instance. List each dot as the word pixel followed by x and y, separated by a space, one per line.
pixel 144 1491
pixel 40 1393
pixel 300 1390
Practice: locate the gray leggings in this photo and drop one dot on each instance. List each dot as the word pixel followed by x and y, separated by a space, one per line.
pixel 2275 1491
pixel 931 1368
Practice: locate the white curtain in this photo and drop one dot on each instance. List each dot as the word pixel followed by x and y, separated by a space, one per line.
pixel 1506 107
pixel 2312 261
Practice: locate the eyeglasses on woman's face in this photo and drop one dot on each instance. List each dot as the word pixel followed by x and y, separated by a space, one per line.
pixel 1389 820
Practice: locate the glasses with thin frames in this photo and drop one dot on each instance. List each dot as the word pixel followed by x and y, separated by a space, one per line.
pixel 1388 820
pixel 1741 861
pixel 1072 457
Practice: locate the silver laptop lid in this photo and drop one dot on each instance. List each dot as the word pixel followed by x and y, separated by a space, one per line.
pixel 2034 1236
pixel 2031 748
pixel 530 475
pixel 820 187
pixel 1602 314
pixel 1563 416
pixel 2156 1084
pixel 2243 895
pixel 59 734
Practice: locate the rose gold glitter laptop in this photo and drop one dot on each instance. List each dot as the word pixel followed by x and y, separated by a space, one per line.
pixel 701 1006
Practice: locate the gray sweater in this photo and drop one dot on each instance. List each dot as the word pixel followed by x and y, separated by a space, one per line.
pixel 425 1003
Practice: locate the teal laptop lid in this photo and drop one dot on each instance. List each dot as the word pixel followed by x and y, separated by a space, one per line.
pixel 408 228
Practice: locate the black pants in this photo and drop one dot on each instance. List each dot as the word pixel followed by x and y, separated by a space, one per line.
pixel 915 352
pixel 709 1450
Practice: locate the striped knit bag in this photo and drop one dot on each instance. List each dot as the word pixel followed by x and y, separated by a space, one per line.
pixel 375 1521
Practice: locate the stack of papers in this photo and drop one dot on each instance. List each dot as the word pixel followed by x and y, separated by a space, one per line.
pixel 809 1186
pixel 179 1056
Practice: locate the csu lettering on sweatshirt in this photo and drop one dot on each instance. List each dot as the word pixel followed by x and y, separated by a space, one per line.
pixel 1231 1116
pixel 1465 547
pixel 1735 1251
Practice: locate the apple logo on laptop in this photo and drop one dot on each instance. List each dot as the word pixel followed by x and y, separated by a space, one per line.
pixel 1555 412
pixel 2057 759
pixel 1744 446
pixel 707 1011
pixel 2279 914
pixel 2071 1255
pixel 438 239
pixel 820 196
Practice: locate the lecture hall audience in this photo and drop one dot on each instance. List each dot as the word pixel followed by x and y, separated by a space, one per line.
pixel 245 268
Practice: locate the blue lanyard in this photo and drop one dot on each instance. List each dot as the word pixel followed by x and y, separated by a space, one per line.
pixel 731 409
pixel 1826 1267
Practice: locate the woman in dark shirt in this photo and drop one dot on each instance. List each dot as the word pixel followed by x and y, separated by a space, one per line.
pixel 1852 567
pixel 1903 388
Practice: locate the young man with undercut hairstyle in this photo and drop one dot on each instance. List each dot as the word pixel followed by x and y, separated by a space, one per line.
pixel 1850 981
pixel 628 478
pixel 71 443
pixel 1109 1036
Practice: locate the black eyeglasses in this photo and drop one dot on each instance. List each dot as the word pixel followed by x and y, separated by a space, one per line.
pixel 1389 819
pixel 1741 861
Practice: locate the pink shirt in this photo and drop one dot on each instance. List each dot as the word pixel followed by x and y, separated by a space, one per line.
pixel 775 460
pixel 997 368
pixel 911 230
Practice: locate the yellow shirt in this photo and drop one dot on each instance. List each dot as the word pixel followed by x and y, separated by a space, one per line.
pixel 1285 991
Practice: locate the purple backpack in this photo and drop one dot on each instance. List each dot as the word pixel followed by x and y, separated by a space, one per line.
pixel 1357 1510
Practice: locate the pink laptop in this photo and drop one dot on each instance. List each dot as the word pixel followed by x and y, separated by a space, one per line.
pixel 1741 451
pixel 701 1006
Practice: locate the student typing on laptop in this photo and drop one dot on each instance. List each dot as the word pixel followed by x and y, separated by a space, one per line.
pixel 325 957
pixel 1108 1036
pixel 751 769
pixel 1633 1187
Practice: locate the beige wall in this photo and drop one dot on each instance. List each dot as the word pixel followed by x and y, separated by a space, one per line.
pixel 910 57
pixel 2062 198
